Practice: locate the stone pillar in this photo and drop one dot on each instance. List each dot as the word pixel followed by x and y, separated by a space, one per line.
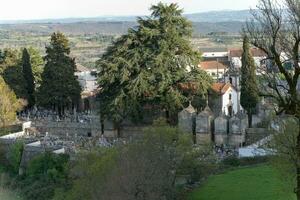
pixel 204 126
pixel 186 119
pixel 221 130
pixel 237 129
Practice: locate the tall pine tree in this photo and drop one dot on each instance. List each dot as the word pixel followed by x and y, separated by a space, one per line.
pixel 147 65
pixel 28 76
pixel 60 88
pixel 249 88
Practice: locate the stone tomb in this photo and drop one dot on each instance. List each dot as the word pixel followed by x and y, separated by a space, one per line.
pixel 204 122
pixel 221 130
pixel 186 119
pixel 237 129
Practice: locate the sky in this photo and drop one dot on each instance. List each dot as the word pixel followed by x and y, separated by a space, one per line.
pixel 45 9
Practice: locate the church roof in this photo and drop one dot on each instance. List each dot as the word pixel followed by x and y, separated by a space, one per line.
pixel 221 88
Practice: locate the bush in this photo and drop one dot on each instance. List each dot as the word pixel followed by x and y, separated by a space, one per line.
pixel 14 156
pixel 234 161
pixel 44 175
pixel 231 161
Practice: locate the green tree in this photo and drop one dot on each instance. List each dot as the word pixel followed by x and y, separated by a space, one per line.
pixel 9 104
pixel 44 174
pixel 59 88
pixel 11 71
pixel 146 66
pixel 249 88
pixel 28 76
pixel 144 169
pixel 15 155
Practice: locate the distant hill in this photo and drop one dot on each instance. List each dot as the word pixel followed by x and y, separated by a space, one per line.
pixel 206 22
pixel 220 16
pixel 110 27
pixel 212 17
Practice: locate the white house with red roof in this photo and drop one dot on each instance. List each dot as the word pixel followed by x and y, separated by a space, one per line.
pixel 235 57
pixel 214 68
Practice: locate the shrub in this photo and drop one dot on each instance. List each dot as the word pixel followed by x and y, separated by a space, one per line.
pixel 14 156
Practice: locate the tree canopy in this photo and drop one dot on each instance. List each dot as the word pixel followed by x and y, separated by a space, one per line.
pixel 147 65
pixel 59 87
pixel 11 71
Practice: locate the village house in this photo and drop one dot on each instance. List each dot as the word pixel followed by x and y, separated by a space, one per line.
pixel 214 68
pixel 235 58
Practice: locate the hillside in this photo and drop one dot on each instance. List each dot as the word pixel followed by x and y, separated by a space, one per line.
pixel 108 28
pixel 211 16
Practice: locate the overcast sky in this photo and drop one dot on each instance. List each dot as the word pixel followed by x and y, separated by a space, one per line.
pixel 41 9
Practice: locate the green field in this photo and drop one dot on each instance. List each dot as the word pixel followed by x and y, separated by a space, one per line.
pixel 256 183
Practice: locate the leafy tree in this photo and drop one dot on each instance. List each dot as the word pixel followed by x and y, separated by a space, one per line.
pixel 9 104
pixel 28 75
pixel 11 71
pixel 144 169
pixel 44 175
pixel 147 65
pixel 59 88
pixel 249 88
pixel 15 156
pixel 275 30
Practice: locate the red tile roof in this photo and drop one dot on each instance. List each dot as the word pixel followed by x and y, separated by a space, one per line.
pixel 254 51
pixel 206 65
pixel 221 88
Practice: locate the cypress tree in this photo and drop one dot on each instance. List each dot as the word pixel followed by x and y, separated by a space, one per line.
pixel 59 87
pixel 249 88
pixel 28 76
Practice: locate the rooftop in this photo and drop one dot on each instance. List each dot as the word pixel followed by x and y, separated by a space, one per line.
pixel 221 88
pixel 206 65
pixel 254 51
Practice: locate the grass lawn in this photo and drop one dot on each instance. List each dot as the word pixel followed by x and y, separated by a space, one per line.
pixel 256 183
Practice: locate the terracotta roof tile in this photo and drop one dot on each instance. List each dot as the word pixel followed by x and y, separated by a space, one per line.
pixel 221 88
pixel 205 65
pixel 254 51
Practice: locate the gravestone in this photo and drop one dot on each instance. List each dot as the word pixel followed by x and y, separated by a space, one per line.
pixel 221 130
pixel 186 119
pixel 204 123
pixel 237 129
